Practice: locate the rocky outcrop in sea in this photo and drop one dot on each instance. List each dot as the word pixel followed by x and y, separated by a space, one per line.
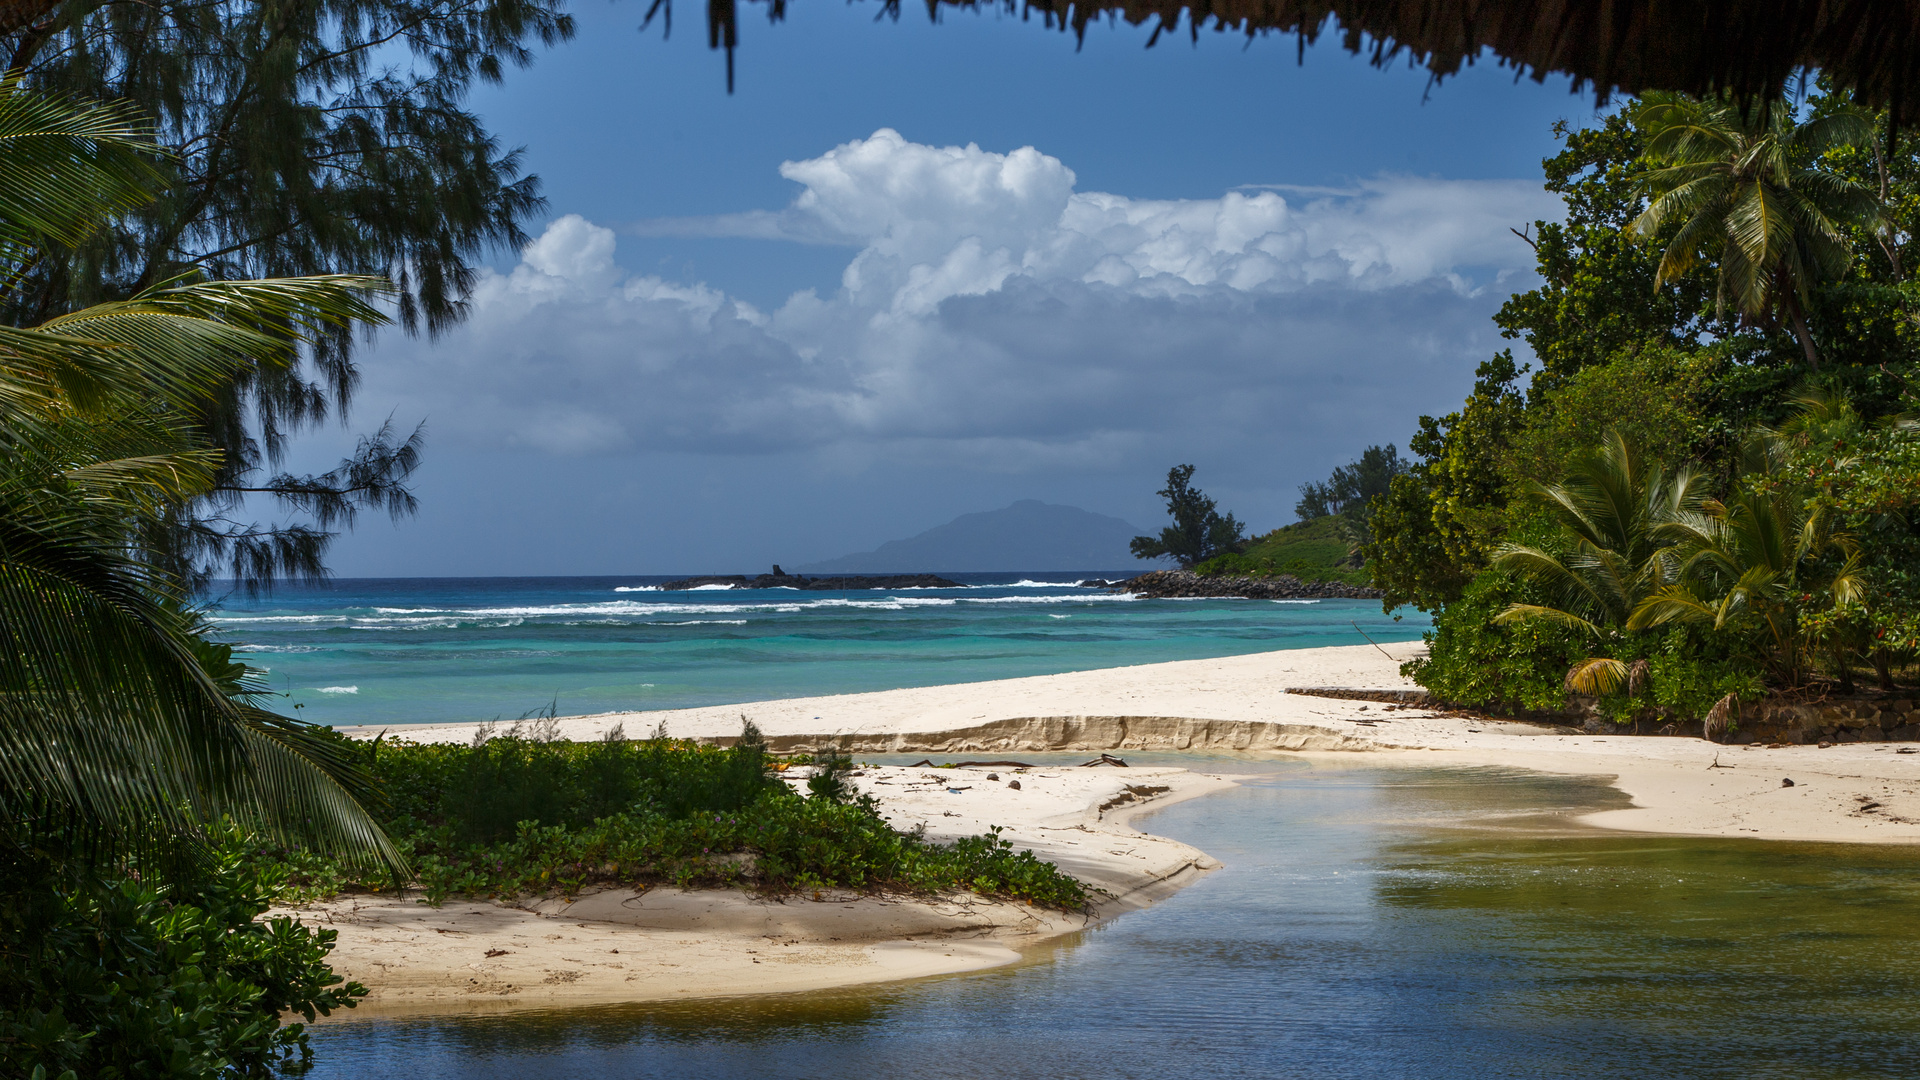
pixel 1161 584
pixel 778 580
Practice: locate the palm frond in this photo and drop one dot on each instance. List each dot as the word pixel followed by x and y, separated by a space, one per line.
pixel 112 726
pixel 1673 604
pixel 1523 613
pixel 65 166
pixel 1597 677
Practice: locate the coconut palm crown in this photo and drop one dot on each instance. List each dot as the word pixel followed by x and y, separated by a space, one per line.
pixel 1738 184
pixel 1611 553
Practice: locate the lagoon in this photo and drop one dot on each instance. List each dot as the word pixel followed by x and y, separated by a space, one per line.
pixel 1370 923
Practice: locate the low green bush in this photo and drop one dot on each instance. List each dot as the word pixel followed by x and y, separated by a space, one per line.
pixel 105 975
pixel 482 793
pixel 1473 661
pixel 619 813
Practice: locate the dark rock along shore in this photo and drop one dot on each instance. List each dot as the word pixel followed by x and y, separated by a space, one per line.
pixel 1186 583
pixel 780 580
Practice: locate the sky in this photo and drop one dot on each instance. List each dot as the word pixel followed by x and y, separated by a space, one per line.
pixel 906 272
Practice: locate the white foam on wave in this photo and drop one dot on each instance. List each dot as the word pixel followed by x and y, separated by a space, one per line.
pixel 613 612
pixel 636 588
pixel 1079 598
pixel 707 588
pixel 1052 615
pixel 277 648
pixel 337 690
pixel 1295 601
pixel 275 618
pixel 696 622
pixel 437 623
pixel 891 603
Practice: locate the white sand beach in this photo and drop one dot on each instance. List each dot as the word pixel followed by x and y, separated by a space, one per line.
pixel 664 944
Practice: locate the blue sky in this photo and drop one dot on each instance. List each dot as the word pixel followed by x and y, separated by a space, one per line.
pixel 1024 270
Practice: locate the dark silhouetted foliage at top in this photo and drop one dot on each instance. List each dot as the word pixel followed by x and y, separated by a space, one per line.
pixel 1753 49
pixel 1199 531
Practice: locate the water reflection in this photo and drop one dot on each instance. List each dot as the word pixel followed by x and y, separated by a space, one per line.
pixel 1440 923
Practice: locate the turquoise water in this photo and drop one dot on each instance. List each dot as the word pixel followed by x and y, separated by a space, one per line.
pixel 402 651
pixel 1436 924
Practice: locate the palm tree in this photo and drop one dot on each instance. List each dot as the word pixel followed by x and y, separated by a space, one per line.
pixel 1737 180
pixel 1767 555
pixel 111 729
pixel 1610 554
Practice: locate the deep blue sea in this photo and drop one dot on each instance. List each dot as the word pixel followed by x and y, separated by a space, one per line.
pixel 424 650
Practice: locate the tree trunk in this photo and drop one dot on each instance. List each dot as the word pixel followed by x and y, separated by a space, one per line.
pixel 1797 317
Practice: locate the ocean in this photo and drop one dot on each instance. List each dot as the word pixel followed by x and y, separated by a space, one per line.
pixel 434 650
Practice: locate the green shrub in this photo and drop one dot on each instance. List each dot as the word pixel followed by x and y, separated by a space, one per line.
pixel 780 844
pixel 1472 661
pixel 109 976
pixel 634 814
pixel 484 792
pixel 1690 669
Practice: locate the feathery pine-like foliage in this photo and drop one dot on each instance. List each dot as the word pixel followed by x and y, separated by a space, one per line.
pixel 302 138
pixel 1199 531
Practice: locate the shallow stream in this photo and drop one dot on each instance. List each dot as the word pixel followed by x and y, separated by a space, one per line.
pixel 1369 923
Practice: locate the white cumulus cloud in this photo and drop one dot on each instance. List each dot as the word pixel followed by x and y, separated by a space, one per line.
pixel 990 315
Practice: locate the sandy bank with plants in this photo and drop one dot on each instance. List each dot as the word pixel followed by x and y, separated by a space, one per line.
pixel 1241 704
pixel 665 943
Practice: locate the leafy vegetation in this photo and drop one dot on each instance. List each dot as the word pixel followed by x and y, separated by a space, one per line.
pixel 1326 543
pixel 116 735
pixel 1701 491
pixel 107 975
pixel 515 815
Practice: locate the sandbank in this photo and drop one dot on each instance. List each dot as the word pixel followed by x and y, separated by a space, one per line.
pixel 664 943
pixel 674 945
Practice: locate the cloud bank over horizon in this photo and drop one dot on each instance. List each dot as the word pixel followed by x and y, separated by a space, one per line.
pixel 993 321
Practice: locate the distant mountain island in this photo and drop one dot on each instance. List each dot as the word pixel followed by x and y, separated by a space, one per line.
pixel 1029 535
